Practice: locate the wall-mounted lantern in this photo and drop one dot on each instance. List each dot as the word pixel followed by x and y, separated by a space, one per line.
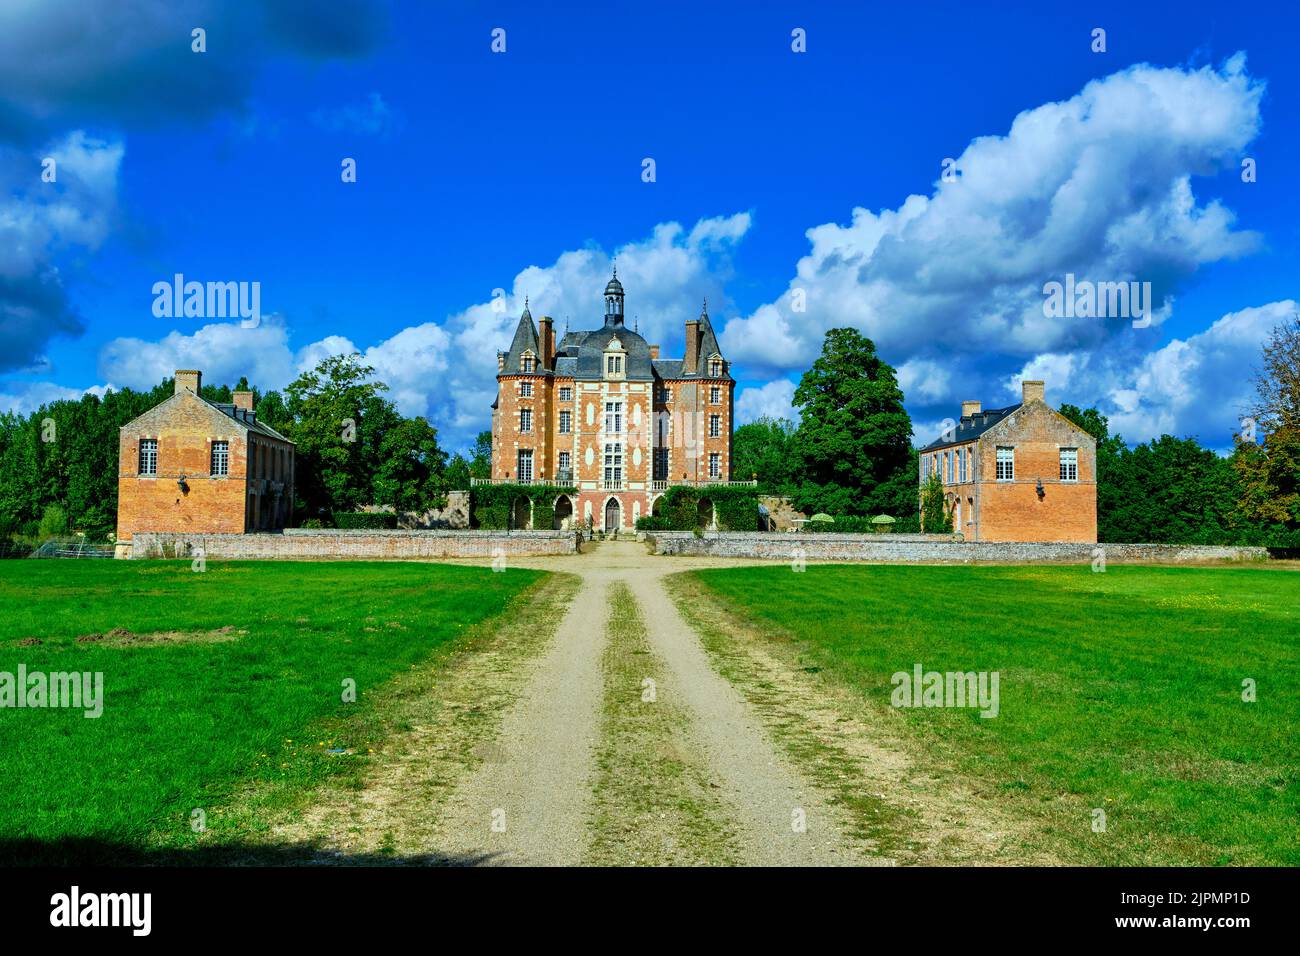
pixel 1041 493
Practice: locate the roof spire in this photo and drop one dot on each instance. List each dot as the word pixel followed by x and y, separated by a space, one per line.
pixel 527 314
pixel 704 309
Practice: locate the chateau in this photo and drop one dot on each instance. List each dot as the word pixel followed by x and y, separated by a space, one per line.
pixel 1020 473
pixel 603 413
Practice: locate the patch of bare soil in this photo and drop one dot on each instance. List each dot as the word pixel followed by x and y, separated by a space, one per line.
pixel 121 637
pixel 902 801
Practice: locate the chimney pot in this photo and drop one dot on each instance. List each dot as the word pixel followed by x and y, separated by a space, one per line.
pixel 969 409
pixel 1032 391
pixel 188 379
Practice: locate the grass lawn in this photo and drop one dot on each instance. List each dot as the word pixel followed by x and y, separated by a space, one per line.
pixel 256 658
pixel 1120 691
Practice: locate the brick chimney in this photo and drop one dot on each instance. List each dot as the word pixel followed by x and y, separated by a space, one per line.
pixel 501 361
pixel 654 352
pixel 188 379
pixel 547 329
pixel 692 360
pixel 970 408
pixel 1032 392
pixel 243 400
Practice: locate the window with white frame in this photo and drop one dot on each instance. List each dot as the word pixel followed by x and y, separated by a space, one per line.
pixel 961 464
pixel 1006 463
pixel 715 464
pixel 565 466
pixel 220 458
pixel 526 389
pixel 148 456
pixel 529 363
pixel 613 365
pixel 715 426
pixel 525 419
pixel 613 462
pixel 566 393
pixel 665 394
pixel 715 394
pixel 566 422
pixel 715 368
pixel 613 417
pixel 947 467
pixel 525 464
pixel 1069 464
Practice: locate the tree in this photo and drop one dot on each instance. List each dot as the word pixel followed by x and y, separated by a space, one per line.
pixel 480 465
pixel 852 450
pixel 1269 473
pixel 935 516
pixel 762 449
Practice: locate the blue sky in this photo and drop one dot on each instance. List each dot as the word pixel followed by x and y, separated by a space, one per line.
pixel 521 171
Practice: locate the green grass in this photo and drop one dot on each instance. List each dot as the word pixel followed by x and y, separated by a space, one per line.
pixel 187 723
pixel 1120 691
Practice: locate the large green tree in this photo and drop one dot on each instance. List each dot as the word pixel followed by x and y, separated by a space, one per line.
pixel 852 450
pixel 762 449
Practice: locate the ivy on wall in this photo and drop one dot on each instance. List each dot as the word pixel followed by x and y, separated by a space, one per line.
pixel 489 505
pixel 678 509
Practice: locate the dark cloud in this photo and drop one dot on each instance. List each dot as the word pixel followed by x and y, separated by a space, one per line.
pixel 130 62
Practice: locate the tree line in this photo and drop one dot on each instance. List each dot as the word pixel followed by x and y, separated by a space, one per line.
pixel 851 455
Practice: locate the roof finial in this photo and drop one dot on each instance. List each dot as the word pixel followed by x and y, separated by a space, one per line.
pixel 704 309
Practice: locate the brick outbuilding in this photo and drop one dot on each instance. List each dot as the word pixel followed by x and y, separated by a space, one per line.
pixel 191 465
pixel 1020 473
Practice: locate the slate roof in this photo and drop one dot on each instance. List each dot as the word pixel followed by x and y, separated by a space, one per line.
pixel 246 418
pixel 972 427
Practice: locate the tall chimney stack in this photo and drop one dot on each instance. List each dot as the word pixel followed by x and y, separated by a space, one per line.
pixel 547 330
pixel 692 360
pixel 243 400
pixel 970 408
pixel 1032 392
pixel 188 379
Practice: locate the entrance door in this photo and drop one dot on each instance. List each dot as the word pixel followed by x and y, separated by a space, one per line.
pixel 612 515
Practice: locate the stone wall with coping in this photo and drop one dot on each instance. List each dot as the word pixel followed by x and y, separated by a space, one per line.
pixel 329 544
pixel 926 549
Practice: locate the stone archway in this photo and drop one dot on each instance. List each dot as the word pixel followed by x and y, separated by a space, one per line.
pixel 563 513
pixel 655 509
pixel 613 515
pixel 704 513
pixel 521 514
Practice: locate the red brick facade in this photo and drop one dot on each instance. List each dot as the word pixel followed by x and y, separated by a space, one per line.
pixel 1045 488
pixel 173 475
pixel 601 410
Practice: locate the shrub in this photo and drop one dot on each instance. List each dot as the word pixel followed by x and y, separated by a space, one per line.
pixel 54 522
pixel 313 523
pixel 653 523
pixel 365 520
pixel 736 508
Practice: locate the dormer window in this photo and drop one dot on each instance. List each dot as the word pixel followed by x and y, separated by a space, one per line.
pixel 715 367
pixel 615 359
pixel 528 362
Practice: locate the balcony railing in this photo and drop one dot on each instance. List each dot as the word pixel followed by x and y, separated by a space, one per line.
pixel 543 482
pixel 704 483
pixel 567 481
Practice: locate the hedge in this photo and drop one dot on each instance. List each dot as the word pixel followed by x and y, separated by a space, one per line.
pixel 859 524
pixel 678 507
pixel 365 520
pixel 489 505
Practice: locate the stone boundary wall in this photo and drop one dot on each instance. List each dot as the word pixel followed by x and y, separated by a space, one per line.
pixel 330 544
pixel 904 549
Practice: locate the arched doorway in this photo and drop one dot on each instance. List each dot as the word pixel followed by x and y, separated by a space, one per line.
pixel 521 514
pixel 704 513
pixel 655 509
pixel 563 513
pixel 613 515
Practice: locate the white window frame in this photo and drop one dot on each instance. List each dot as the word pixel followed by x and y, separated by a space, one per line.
pixel 147 460
pixel 715 426
pixel 1006 463
pixel 219 466
pixel 715 394
pixel 566 422
pixel 613 462
pixel 1069 464
pixel 614 418
pixel 564 464
pixel 961 465
pixel 524 457
pixel 525 419
pixel 715 464
pixel 526 389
